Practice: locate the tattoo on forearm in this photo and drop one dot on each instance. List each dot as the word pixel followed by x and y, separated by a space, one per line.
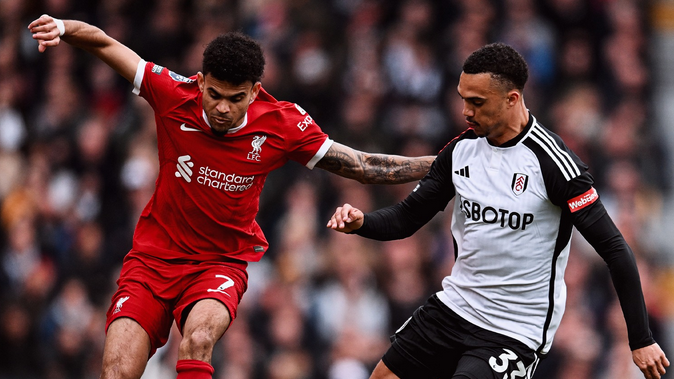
pixel 389 169
pixel 375 168
pixel 338 162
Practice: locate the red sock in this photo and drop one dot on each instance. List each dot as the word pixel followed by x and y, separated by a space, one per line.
pixel 193 369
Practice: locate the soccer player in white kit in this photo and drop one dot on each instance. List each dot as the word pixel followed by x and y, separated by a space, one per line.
pixel 518 191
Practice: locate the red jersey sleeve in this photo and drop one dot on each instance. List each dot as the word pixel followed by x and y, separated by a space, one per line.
pixel 307 143
pixel 160 87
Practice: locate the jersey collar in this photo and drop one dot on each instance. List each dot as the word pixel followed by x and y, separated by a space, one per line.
pixel 232 130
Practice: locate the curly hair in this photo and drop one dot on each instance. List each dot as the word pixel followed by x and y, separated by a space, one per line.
pixel 234 58
pixel 503 62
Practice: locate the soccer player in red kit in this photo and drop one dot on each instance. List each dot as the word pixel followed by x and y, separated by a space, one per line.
pixel 219 135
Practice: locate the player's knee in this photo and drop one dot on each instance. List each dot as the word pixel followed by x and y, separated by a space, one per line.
pixel 121 370
pixel 198 341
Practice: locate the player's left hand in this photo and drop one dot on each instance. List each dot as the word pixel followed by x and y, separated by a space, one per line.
pixel 346 219
pixel 651 360
pixel 45 31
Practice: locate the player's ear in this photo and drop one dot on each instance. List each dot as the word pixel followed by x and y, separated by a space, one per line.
pixel 255 91
pixel 513 97
pixel 201 81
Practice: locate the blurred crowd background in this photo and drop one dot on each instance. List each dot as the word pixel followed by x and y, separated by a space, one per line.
pixel 78 162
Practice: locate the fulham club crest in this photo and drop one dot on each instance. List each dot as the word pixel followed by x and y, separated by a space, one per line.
pixel 519 184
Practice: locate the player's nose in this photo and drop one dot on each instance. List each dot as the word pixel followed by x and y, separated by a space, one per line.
pixel 468 111
pixel 222 107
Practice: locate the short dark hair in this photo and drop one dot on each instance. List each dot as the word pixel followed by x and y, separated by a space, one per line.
pixel 503 62
pixel 234 58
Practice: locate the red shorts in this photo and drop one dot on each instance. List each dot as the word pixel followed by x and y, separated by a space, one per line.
pixel 154 292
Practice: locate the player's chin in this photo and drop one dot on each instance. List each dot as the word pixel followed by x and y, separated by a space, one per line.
pixel 219 130
pixel 220 127
pixel 479 132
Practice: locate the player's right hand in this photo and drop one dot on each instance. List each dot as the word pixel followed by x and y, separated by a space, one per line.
pixel 45 31
pixel 651 361
pixel 346 219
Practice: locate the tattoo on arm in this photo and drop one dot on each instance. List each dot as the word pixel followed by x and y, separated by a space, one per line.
pixel 374 168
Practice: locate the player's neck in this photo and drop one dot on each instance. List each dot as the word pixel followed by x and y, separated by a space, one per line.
pixel 513 126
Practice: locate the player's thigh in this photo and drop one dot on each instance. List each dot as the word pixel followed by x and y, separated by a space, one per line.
pixel 382 372
pixel 127 349
pixel 137 299
pixel 428 345
pixel 220 283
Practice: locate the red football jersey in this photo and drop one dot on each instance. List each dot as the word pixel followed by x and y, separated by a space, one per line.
pixel 208 189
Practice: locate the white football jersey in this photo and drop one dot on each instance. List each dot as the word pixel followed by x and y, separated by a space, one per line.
pixel 511 235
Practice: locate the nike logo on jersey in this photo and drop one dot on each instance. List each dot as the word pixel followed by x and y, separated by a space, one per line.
pixel 185 128
pixel 463 172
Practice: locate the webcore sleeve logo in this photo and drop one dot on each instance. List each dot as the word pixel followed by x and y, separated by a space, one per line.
pixel 582 201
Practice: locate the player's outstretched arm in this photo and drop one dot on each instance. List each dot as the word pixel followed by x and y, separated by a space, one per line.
pixel 374 168
pixel 86 37
pixel 651 360
pixel 346 219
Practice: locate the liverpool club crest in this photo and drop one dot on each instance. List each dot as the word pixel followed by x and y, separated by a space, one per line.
pixel 254 155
